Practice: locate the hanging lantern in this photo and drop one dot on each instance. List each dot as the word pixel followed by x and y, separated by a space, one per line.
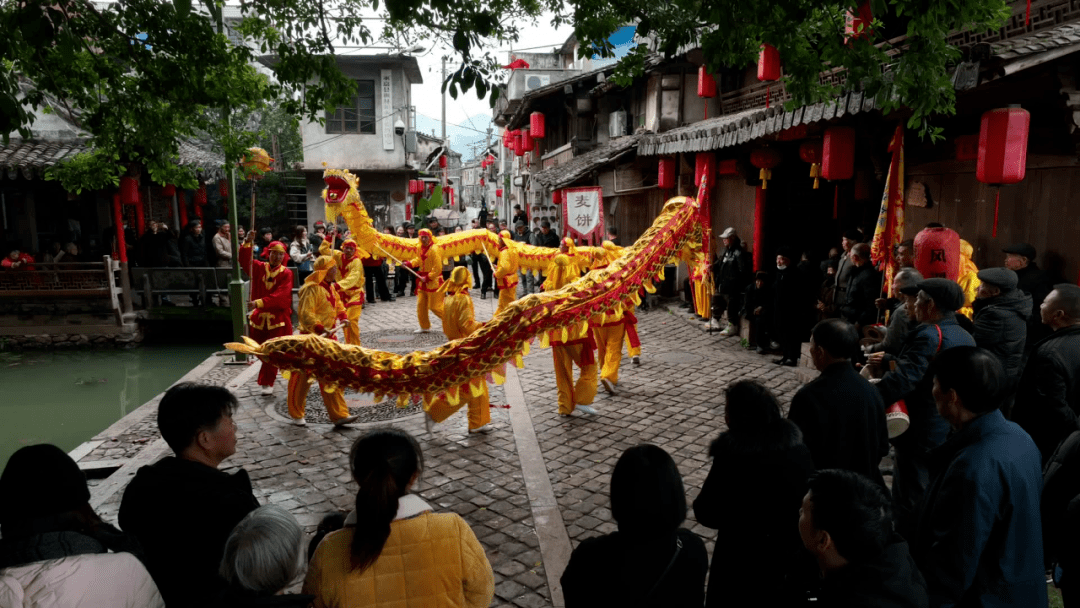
pixel 200 196
pixel 442 161
pixel 810 152
pixel 665 179
pixel 704 166
pixel 508 138
pixel 527 143
pixel 408 211
pixel 937 253
pixel 498 192
pixel 1002 160
pixel 129 190
pixel 256 164
pixel 481 181
pixel 768 64
pixel 519 145
pixel 706 84
pixel 857 23
pixel 168 190
pixel 838 153
pixel 536 125
pixel 556 198
pixel 223 188
pixel 181 204
pixel 765 159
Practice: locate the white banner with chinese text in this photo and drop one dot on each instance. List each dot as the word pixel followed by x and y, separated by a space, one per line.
pixel 583 214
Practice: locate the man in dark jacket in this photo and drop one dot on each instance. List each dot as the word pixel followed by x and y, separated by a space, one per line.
pixel 900 323
pixel 193 247
pixel 1060 506
pixel 934 307
pixel 1001 314
pixel 182 508
pixel 1048 393
pixel 789 307
pixel 846 523
pixel 841 415
pixel 844 265
pixel 732 274
pixel 863 289
pixel 979 539
pixel 1020 258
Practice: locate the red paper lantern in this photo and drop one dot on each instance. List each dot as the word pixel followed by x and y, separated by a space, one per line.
pixel 481 181
pixel 704 166
pixel 498 192
pixel 838 153
pixel 519 147
pixel 1003 139
pixel 556 198
pixel 442 161
pixel 527 143
pixel 811 152
pixel 168 190
pixel 857 24
pixel 129 191
pixel 706 84
pixel 508 138
pixel 665 178
pixel 408 211
pixel 937 253
pixel 181 203
pixel 536 125
pixel 768 65
pixel 223 188
pixel 765 159
pixel 200 196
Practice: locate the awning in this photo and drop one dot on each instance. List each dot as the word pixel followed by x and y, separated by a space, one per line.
pixel 569 172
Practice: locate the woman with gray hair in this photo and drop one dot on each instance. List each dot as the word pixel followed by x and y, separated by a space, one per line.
pixel 901 321
pixel 263 557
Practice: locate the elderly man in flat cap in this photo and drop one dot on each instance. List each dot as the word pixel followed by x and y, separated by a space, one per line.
pixel 1032 280
pixel 907 378
pixel 1048 393
pixel 1001 318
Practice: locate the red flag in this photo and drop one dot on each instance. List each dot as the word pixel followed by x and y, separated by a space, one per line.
pixel 890 225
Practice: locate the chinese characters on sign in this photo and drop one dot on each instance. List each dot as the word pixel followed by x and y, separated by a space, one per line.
pixel 583 213
pixel 386 93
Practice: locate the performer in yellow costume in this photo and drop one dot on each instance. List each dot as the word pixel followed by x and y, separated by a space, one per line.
pixel 968 279
pixel 320 308
pixel 506 271
pixel 458 322
pixel 629 318
pixel 429 267
pixel 350 284
pixel 572 351
pixel 609 332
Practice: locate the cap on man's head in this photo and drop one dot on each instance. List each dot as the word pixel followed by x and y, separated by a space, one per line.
pixel 519 224
pixel 787 252
pixel 1002 278
pixel 728 233
pixel 1023 249
pixel 945 293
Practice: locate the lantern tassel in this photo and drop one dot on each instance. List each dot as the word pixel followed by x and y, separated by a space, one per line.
pixel 997 202
pixel 1027 15
pixel 815 172
pixel 768 91
pixel 765 175
pixel 835 201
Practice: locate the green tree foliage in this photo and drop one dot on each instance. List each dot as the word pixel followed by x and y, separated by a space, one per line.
pixel 916 73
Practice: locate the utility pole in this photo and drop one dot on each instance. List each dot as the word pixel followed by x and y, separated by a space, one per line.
pixel 236 286
pixel 446 148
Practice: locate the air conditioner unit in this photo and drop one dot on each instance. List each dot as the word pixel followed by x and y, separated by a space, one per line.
pixel 617 124
pixel 535 81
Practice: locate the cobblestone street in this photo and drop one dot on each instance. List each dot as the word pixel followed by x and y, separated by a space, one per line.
pixel 531 488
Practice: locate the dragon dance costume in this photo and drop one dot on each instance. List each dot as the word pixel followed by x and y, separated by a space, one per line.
pixel 271 300
pixel 458 322
pixel 429 266
pixel 569 351
pixel 321 307
pixel 506 272
pixel 350 284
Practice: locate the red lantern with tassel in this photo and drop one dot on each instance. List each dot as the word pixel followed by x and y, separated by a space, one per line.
pixel 498 192
pixel 665 178
pixel 129 190
pixel 442 161
pixel 519 147
pixel 768 64
pixel 811 152
pixel 201 197
pixel 181 204
pixel 857 23
pixel 508 138
pixel 1002 160
pixel 527 143
pixel 536 125
pixel 838 153
pixel 223 188
pixel 765 159
pixel 706 84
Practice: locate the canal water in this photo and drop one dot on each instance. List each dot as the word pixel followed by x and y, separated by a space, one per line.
pixel 66 397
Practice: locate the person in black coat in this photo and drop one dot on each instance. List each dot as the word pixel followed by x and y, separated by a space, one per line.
pixel 846 523
pixel 840 414
pixel 650 561
pixel 863 289
pixel 1032 280
pixel 1060 508
pixel 752 492
pixel 1001 314
pixel 789 307
pixel 182 508
pixel 757 306
pixel 732 274
pixel 193 247
pixel 1048 393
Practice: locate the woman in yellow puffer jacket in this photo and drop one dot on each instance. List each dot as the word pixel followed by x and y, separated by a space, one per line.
pixel 968 279
pixel 394 550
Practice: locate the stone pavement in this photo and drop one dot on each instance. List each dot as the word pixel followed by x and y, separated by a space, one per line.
pixel 532 487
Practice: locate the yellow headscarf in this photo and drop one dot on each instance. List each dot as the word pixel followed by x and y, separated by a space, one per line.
pixel 459 282
pixel 561 272
pixel 322 265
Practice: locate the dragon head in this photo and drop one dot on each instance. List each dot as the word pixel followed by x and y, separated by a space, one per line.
pixel 342 189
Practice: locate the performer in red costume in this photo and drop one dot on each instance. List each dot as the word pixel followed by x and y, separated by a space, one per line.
pixel 271 301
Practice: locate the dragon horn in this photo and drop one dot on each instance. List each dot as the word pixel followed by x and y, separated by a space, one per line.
pixel 243 348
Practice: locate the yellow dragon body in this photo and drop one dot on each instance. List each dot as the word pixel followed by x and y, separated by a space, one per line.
pixel 464 364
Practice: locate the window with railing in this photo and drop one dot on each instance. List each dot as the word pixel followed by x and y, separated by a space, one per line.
pixel 357 116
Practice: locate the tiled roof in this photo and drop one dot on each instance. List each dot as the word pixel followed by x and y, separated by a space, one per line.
pixel 31 158
pixel 567 173
pixel 1039 42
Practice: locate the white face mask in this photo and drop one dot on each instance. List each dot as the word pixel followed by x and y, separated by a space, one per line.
pixel 779 267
